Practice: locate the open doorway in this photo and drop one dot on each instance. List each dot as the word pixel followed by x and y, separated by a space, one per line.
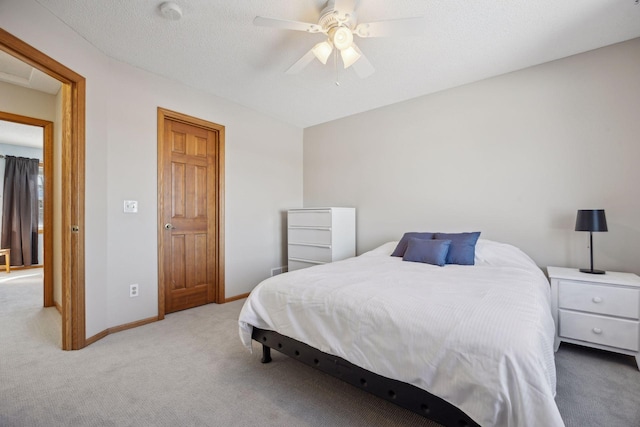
pixel 71 215
pixel 31 138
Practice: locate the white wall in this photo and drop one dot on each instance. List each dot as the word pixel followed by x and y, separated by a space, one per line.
pixel 263 172
pixel 513 156
pixel 57 203
pixel 27 102
pixel 263 177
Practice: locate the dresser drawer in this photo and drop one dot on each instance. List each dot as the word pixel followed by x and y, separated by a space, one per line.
pixel 602 299
pixel 597 329
pixel 309 218
pixel 310 252
pixel 295 264
pixel 320 236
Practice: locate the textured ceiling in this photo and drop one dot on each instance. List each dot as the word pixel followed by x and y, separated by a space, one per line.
pixel 215 46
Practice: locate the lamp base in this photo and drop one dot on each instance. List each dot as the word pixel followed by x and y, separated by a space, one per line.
pixel 592 271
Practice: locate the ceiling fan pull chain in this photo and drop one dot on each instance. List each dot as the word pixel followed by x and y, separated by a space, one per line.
pixel 335 65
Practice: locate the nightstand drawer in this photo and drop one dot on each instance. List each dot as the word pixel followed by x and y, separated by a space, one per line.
pixel 592 328
pixel 602 299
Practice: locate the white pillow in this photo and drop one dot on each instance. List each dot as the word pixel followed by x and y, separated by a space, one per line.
pixel 499 254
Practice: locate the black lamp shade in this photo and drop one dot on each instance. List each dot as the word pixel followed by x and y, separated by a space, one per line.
pixel 591 220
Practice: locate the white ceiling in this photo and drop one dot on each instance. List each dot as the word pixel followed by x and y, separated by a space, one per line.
pixel 19 134
pixel 16 72
pixel 216 48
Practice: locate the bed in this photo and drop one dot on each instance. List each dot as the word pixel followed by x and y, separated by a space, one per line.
pixel 465 344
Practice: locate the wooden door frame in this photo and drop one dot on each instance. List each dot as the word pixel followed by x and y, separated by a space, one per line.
pixel 73 178
pixel 164 114
pixel 47 160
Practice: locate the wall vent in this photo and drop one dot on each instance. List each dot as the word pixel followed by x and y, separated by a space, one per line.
pixel 278 270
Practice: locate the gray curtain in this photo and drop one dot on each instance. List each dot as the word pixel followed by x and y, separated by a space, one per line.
pixel 20 210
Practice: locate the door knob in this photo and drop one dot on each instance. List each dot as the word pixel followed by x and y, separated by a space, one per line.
pixel 168 226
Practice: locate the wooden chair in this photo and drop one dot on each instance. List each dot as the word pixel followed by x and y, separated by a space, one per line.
pixel 7 259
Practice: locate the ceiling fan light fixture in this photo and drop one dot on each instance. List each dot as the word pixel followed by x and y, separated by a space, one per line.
pixel 322 51
pixel 349 56
pixel 341 37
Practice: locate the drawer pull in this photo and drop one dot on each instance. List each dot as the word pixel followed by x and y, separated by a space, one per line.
pixel 308 261
pixel 315 245
pixel 597 331
pixel 309 227
pixel 597 300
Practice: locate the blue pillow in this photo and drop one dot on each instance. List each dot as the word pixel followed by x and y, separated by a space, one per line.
pixel 427 251
pixel 463 247
pixel 402 244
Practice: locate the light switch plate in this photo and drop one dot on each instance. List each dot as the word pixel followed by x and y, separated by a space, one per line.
pixel 131 206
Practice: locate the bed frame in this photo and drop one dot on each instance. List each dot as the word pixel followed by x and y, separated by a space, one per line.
pixel 402 394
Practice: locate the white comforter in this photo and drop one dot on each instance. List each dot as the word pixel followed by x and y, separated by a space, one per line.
pixel 480 337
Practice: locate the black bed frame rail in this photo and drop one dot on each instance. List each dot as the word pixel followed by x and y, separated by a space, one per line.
pixel 402 394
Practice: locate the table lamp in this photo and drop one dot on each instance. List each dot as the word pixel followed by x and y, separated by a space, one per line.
pixel 591 220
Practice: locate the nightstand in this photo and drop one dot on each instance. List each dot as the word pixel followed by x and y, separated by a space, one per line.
pixel 600 311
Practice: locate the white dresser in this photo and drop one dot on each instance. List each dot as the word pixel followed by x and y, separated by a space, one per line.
pixel 320 235
pixel 601 311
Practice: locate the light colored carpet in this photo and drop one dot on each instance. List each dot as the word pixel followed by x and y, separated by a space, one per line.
pixel 22 314
pixel 597 388
pixel 191 370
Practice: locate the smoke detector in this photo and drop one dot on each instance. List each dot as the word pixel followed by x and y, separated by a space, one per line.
pixel 171 10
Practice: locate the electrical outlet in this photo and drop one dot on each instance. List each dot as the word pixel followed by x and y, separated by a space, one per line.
pixel 133 290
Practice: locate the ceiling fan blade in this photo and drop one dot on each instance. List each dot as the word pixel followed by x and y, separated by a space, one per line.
pixel 362 66
pixel 301 63
pixel 284 24
pixel 392 27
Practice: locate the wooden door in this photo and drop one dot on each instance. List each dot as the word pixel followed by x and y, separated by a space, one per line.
pixel 190 214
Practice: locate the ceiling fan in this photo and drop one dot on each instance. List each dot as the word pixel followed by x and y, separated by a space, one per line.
pixel 339 21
